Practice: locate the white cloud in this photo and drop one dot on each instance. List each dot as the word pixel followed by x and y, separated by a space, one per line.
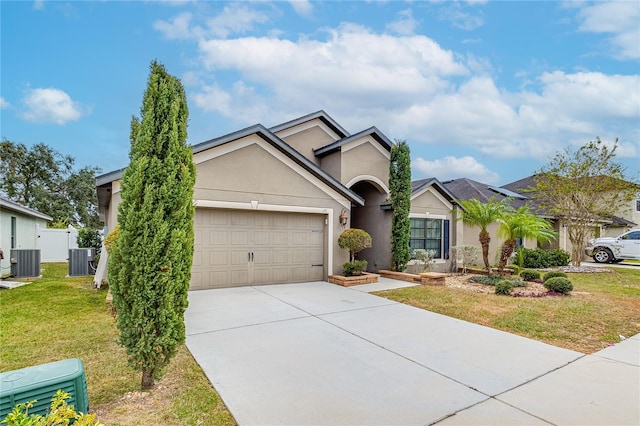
pixel 38 5
pixel 411 88
pixel 302 7
pixel 51 105
pixel 453 168
pixel 620 19
pixel 4 103
pixel 456 13
pixel 178 28
pixel 405 23
pixel 235 18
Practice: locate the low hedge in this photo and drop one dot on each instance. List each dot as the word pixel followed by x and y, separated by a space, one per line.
pixel 559 285
pixel 539 258
pixel 553 274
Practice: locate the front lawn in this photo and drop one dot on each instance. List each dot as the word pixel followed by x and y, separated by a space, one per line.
pixel 602 307
pixel 56 318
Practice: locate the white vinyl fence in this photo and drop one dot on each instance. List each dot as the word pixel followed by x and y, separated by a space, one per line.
pixel 54 244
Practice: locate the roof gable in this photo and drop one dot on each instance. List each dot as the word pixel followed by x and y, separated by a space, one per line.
pixel 270 138
pixel 321 115
pixel 376 134
pixel 19 208
pixel 419 187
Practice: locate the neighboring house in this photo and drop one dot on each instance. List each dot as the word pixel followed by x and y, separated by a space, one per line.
pixel 271 202
pixel 627 217
pixel 19 229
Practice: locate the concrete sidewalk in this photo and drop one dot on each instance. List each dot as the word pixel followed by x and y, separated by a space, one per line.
pixel 320 354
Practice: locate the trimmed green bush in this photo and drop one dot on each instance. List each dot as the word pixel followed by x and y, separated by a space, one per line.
pixel 553 274
pixel 515 268
pixel 539 258
pixel 354 240
pixel 504 287
pixel 530 275
pixel 357 267
pixel 559 285
pixel 483 279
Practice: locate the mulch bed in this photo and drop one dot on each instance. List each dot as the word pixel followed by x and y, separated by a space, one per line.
pixel 532 289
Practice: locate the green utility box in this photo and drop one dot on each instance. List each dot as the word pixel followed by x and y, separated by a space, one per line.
pixel 41 382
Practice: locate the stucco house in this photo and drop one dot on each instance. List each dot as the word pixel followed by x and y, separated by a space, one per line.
pixel 271 202
pixel 19 229
pixel 627 217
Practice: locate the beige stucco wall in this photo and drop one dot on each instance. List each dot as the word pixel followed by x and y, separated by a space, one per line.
pixel 331 164
pixel 250 172
pixel 431 204
pixel 362 158
pixel 305 141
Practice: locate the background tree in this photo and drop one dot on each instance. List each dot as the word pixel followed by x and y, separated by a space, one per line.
pixel 477 213
pixel 582 187
pixel 521 224
pixel 150 266
pixel 400 192
pixel 43 179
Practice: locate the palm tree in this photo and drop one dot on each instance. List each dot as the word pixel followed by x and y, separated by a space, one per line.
pixel 523 224
pixel 477 213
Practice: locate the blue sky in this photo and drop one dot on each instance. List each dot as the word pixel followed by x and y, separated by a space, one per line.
pixel 484 90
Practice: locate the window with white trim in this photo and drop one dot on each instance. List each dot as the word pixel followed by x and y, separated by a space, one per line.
pixel 428 234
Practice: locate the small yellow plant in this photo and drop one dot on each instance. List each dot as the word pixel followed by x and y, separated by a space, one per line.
pixel 60 413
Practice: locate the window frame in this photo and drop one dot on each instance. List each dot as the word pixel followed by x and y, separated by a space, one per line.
pixel 442 239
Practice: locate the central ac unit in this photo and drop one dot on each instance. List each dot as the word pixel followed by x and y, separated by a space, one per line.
pixel 81 261
pixel 25 262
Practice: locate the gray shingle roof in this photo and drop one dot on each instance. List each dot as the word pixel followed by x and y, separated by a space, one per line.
pixel 11 205
pixel 269 137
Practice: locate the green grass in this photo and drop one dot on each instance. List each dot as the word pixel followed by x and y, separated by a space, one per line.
pixel 601 307
pixel 56 318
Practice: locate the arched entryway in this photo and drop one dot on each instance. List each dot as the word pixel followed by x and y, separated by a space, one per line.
pixel 375 218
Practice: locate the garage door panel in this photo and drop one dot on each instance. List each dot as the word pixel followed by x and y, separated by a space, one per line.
pixel 218 238
pixel 239 257
pixel 218 258
pixel 238 277
pixel 235 248
pixel 279 238
pixel 197 258
pixel 280 257
pixel 262 238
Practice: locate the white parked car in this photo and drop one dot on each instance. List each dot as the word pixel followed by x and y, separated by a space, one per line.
pixel 610 249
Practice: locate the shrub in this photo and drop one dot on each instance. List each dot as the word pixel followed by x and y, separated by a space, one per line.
pixel 357 267
pixel 515 268
pixel 559 285
pixel 354 240
pixel 60 413
pixel 504 287
pixel 112 239
pixel 530 275
pixel 539 258
pixel 89 238
pixel 468 254
pixel 553 274
pixel 425 258
pixel 483 279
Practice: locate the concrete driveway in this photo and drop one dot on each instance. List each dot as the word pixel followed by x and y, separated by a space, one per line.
pixel 320 354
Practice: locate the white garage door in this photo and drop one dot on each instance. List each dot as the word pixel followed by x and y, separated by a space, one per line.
pixel 244 247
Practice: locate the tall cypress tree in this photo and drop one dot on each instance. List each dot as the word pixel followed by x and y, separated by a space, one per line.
pixel 400 188
pixel 150 266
